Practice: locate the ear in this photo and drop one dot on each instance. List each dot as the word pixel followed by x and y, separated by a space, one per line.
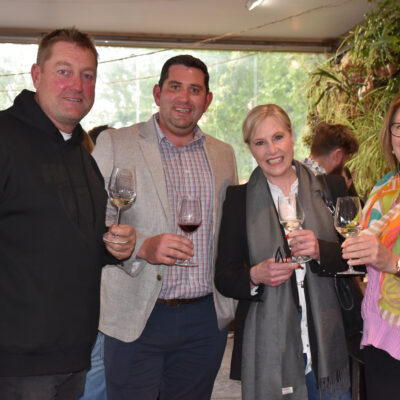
pixel 157 94
pixel 337 156
pixel 209 98
pixel 35 74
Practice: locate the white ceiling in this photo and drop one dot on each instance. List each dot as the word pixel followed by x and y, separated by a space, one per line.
pixel 288 21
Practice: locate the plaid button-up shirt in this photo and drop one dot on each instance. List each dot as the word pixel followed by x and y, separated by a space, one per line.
pixel 187 172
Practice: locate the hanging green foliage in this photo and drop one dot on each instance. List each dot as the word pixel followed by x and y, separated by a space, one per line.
pixel 356 87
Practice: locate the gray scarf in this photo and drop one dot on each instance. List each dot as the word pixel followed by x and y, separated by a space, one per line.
pixel 272 360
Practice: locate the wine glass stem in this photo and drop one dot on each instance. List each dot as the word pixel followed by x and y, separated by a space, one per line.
pixel 118 214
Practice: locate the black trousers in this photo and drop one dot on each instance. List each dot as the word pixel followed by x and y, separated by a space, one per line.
pixel 47 387
pixel 382 375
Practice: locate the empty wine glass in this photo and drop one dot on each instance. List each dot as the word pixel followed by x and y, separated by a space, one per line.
pixel 347 222
pixel 122 193
pixel 291 216
pixel 189 219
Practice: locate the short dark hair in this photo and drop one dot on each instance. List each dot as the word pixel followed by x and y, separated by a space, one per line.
pixel 188 61
pixel 70 35
pixel 330 137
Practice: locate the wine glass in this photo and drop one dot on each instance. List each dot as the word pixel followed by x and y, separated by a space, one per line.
pixel 348 222
pixel 122 193
pixel 291 216
pixel 189 219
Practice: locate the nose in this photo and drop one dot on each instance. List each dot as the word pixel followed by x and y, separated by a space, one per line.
pixel 272 147
pixel 76 83
pixel 184 94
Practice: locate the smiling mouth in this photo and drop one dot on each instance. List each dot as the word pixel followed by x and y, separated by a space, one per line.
pixel 183 110
pixel 274 161
pixel 73 99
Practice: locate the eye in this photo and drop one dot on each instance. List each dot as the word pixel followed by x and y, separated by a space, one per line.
pixel 89 76
pixel 63 72
pixel 175 87
pixel 278 137
pixel 259 142
pixel 195 90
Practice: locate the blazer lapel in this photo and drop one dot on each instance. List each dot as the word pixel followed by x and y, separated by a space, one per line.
pixel 217 176
pixel 151 153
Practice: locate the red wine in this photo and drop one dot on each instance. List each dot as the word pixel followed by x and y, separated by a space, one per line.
pixel 189 227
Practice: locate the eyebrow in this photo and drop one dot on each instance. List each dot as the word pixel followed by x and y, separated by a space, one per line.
pixel 60 63
pixel 190 84
pixel 63 63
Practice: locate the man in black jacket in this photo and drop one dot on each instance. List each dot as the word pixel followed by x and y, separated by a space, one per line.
pixel 52 213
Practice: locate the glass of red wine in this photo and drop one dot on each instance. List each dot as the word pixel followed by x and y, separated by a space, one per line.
pixel 189 219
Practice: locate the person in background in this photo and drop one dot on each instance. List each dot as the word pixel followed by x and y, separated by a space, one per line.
pixel 379 248
pixel 95 384
pixel 87 142
pixel 349 182
pixel 331 148
pixel 95 132
pixel 52 218
pixel 165 324
pixel 289 335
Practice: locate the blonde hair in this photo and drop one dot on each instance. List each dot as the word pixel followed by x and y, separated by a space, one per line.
pixel 385 137
pixel 258 114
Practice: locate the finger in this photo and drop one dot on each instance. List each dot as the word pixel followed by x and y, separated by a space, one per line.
pixel 180 254
pixel 179 241
pixel 358 261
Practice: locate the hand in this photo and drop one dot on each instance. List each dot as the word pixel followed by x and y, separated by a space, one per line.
pixel 166 249
pixel 271 273
pixel 125 233
pixel 368 249
pixel 303 243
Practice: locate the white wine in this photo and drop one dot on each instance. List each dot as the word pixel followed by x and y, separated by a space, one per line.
pixel 351 231
pixel 292 224
pixel 121 202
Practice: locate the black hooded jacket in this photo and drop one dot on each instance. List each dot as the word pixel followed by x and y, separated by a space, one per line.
pixel 52 212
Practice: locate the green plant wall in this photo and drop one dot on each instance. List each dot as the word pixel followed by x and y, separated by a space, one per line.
pixel 356 87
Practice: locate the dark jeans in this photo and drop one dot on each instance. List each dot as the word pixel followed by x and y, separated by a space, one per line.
pixel 313 391
pixel 177 356
pixel 46 387
pixel 382 374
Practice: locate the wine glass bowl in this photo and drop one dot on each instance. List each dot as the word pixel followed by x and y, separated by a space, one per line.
pixel 189 219
pixel 291 217
pixel 121 193
pixel 347 222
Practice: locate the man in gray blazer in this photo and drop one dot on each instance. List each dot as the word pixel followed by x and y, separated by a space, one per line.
pixel 165 324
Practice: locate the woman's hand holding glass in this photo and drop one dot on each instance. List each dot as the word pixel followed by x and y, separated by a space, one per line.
pixel 368 249
pixel 304 243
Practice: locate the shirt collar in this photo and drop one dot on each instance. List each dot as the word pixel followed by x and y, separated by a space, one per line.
pixel 198 134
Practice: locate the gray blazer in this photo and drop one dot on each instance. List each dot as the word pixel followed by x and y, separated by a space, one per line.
pixel 129 290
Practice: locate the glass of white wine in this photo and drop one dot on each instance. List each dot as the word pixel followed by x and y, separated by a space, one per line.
pixel 291 217
pixel 122 193
pixel 348 216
